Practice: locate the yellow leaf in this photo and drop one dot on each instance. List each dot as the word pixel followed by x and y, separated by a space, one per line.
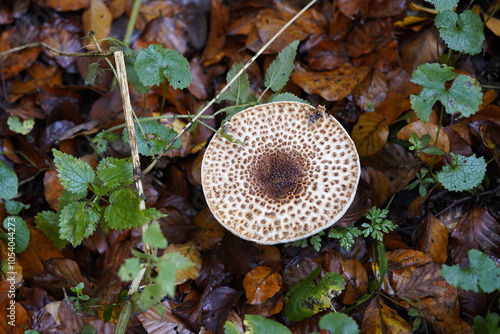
pixel 370 133
pixel 191 253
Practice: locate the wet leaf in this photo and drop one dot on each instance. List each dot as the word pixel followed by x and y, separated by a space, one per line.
pixel 97 18
pixel 370 133
pixel 433 239
pixel 380 318
pixel 260 284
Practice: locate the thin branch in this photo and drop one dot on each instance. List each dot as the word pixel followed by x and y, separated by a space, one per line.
pixel 57 52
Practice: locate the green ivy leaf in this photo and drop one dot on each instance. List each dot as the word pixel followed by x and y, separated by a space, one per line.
pixel 77 221
pixel 75 174
pixel 154 236
pixel 464 95
pixel 17 231
pixel 114 172
pixel 123 210
pixel 8 182
pixel 461 32
pixel 48 223
pixel 257 324
pixel 154 64
pixel 157 137
pixel 338 323
pixel 482 275
pixel 464 173
pixel 279 71
pixel 286 97
pixel 443 4
pixel 23 127
pixel 305 300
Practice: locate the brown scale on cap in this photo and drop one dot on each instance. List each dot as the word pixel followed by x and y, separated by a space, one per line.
pixel 295 175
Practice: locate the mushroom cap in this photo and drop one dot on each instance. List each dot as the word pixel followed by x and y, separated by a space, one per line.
pixel 295 174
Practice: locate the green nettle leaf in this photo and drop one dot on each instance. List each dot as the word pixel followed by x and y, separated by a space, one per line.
pixel 77 221
pixel 482 275
pixel 443 4
pixel 464 95
pixel 154 64
pixel 338 323
pixel 8 182
pixel 279 71
pixel 75 174
pixel 286 97
pixel 132 76
pixel 48 223
pixel 154 236
pixel 490 325
pixel 257 324
pixel 464 173
pixel 18 231
pixel 239 90
pixel 461 32
pixel 123 210
pixel 129 269
pixel 14 207
pixel 157 137
pixel 23 127
pixel 114 172
pixel 305 300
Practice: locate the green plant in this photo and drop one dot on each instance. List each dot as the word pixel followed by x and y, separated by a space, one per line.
pixel 82 302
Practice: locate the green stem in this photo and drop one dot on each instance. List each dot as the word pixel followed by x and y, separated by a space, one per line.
pixel 131 22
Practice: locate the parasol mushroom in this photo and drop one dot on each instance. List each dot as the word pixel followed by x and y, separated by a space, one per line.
pixel 290 171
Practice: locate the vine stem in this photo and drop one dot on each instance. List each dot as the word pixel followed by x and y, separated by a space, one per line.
pixel 226 87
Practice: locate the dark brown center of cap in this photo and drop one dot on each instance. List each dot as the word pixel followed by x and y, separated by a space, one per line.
pixel 279 174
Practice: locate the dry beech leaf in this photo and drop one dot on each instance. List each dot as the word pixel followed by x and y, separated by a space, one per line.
pixel 423 48
pixel 433 239
pixel 380 187
pixel 191 253
pixel 64 5
pixel 97 18
pixel 370 133
pixel 493 24
pixel 380 318
pixel 355 276
pixel 13 64
pixel 268 308
pixel 331 85
pixel 421 129
pixel 209 233
pixel 52 188
pixel 349 7
pixel 260 284
pixel 476 229
pixel 446 320
pixel 159 319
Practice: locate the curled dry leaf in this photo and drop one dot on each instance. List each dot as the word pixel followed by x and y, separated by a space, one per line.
pixel 331 85
pixel 433 239
pixel 370 133
pixel 380 318
pixel 420 128
pixel 260 284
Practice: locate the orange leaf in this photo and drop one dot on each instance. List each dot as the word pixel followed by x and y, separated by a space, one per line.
pixel 210 232
pixel 192 254
pixel 381 319
pixel 445 319
pixel 331 85
pixel 98 19
pixel 433 239
pixel 260 284
pixel 64 5
pixel 370 133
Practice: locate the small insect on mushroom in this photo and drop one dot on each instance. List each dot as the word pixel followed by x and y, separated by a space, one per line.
pixel 295 175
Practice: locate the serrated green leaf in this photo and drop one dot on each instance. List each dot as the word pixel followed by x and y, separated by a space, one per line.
pixel 464 96
pixel 154 236
pixel 77 221
pixel 257 324
pixel 286 97
pixel 279 71
pixel 17 232
pixel 123 210
pixel 338 323
pixel 464 173
pixel 490 325
pixel 8 182
pixel 23 127
pixel 129 269
pixel 239 90
pixel 461 32
pixel 14 207
pixel 114 172
pixel 482 274
pixel 154 64
pixel 102 138
pixel 158 136
pixel 132 76
pixel 75 174
pixel 48 223
pixel 305 300
pixel 443 4
pixel 433 76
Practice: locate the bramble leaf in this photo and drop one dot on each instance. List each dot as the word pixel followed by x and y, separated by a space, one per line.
pixel 278 73
pixel 482 275
pixel 154 64
pixel 8 182
pixel 74 174
pixel 48 223
pixel 461 32
pixel 77 221
pixel 158 136
pixel 464 173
